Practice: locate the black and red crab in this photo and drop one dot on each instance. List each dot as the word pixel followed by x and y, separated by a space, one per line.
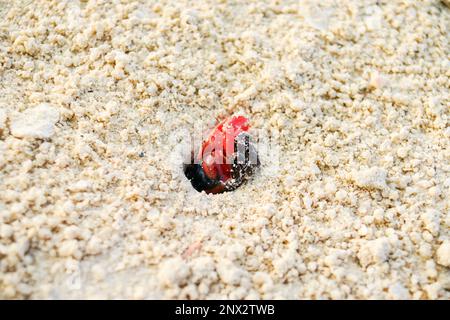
pixel 227 157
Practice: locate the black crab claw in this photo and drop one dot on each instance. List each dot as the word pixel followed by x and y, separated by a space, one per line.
pixel 199 180
pixel 245 162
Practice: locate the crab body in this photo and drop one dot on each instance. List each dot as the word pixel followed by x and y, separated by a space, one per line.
pixel 226 158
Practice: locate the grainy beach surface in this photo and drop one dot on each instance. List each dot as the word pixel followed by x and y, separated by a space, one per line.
pixel 93 200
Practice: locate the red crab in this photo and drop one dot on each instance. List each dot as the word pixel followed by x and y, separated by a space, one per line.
pixel 226 158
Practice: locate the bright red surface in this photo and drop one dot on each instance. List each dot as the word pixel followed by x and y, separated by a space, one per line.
pixel 217 150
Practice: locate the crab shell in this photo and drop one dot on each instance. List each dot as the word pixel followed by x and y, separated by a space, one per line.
pixel 226 158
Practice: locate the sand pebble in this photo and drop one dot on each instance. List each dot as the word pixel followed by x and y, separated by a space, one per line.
pixel 443 254
pixel 374 178
pixel 36 122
